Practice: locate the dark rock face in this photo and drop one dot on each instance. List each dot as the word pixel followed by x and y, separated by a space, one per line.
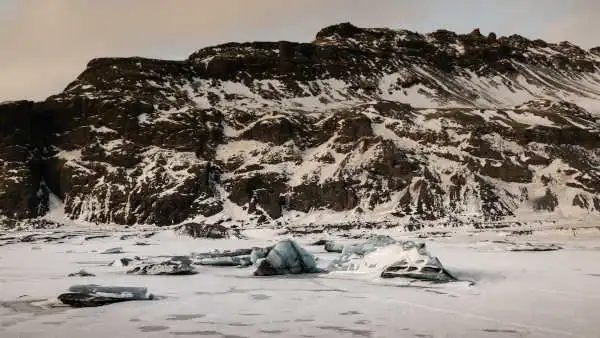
pixel 547 202
pixel 382 121
pixel 22 192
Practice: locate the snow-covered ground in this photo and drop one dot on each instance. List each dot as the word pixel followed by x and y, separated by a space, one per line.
pixel 516 294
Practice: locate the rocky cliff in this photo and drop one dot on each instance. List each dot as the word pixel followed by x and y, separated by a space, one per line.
pixel 370 124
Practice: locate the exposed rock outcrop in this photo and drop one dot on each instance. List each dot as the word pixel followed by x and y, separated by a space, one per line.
pixel 368 122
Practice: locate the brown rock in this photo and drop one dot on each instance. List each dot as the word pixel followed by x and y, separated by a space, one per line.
pixel 548 202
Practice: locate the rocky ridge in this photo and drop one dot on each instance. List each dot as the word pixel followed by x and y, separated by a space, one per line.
pixel 365 124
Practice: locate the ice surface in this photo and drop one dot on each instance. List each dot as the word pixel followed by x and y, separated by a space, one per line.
pixel 530 294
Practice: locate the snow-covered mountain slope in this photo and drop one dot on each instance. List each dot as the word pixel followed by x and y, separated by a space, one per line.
pixel 366 123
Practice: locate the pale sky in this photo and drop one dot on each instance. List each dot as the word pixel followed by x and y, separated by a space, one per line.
pixel 45 44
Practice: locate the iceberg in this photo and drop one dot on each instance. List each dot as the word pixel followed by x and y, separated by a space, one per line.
pixel 389 258
pixel 179 265
pixel 534 247
pixel 113 251
pixel 334 247
pixel 92 295
pixel 82 273
pixel 286 257
pixel 380 255
pixel 240 257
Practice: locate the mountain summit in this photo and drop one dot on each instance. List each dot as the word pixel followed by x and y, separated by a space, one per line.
pixel 369 124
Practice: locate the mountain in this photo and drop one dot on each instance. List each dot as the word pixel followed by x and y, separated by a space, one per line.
pixel 361 124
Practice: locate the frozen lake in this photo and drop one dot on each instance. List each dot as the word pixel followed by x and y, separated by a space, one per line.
pixel 516 294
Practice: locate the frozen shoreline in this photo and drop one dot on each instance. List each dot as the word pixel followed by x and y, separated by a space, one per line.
pixel 532 294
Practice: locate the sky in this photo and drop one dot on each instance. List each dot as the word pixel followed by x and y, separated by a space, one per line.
pixel 45 44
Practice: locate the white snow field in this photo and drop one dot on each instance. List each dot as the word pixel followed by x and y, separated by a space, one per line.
pixel 516 294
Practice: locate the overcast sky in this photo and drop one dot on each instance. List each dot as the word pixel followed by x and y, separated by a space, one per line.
pixel 44 44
